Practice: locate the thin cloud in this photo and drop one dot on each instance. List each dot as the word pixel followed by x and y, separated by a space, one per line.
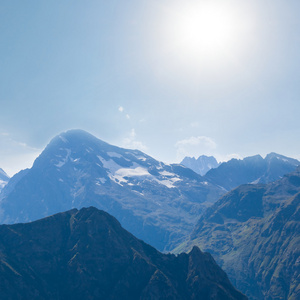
pixel 195 146
pixel 16 155
pixel 131 142
pixel 227 157
pixel 195 124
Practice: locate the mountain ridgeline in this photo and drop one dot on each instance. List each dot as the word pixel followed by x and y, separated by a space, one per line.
pixel 253 233
pixel 86 254
pixel 253 169
pixel 4 178
pixel 158 203
pixel 252 230
pixel 201 165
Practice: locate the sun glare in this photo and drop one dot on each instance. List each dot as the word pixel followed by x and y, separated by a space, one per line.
pixel 205 31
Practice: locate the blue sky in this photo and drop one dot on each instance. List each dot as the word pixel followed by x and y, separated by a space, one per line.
pixel 136 74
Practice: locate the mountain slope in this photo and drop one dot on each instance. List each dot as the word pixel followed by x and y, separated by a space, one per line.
pixel 201 165
pixel 86 254
pixel 253 169
pixel 4 178
pixel 156 202
pixel 253 232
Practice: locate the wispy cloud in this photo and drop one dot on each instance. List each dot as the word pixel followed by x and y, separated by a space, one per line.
pixel 121 109
pixel 227 157
pixel 195 146
pixel 195 124
pixel 132 143
pixel 15 155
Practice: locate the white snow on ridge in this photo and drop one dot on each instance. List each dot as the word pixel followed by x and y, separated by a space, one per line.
pixel 100 180
pixel 128 172
pixel 141 158
pixel 63 139
pixel 169 183
pixel 119 174
pixel 110 164
pixel 166 173
pixel 114 154
pixel 2 184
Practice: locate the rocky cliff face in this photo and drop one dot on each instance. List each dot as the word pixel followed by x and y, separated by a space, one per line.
pixel 201 165
pixel 253 233
pixel 86 254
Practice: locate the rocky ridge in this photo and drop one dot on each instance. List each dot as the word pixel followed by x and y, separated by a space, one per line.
pixel 86 254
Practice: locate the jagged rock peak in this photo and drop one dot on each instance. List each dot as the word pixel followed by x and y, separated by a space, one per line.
pixel 201 165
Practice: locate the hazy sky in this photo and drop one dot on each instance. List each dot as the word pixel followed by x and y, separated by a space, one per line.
pixel 171 78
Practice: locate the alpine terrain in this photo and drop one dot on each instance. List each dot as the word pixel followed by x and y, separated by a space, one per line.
pixel 86 254
pixel 201 165
pixel 253 169
pixel 4 178
pixel 253 232
pixel 158 203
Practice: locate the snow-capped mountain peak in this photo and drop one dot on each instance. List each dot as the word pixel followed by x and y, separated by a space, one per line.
pixel 77 170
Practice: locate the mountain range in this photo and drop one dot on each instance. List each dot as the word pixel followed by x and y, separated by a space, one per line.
pixel 201 165
pixel 252 229
pixel 86 254
pixel 4 178
pixel 158 203
pixel 252 169
pixel 253 233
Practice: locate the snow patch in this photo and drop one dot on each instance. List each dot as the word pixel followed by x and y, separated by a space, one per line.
pixel 166 173
pixel 114 154
pixel 63 139
pixel 2 184
pixel 62 162
pixel 169 183
pixel 110 164
pixel 100 181
pixel 141 158
pixel 129 172
pixel 120 175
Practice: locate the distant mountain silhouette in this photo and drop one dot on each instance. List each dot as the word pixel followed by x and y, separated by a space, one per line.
pixel 253 169
pixel 201 165
pixel 253 232
pixel 86 254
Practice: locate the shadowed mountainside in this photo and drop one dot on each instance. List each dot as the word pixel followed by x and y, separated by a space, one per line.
pixel 253 232
pixel 86 254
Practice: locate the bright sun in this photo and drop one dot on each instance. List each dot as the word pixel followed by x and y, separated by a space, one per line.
pixel 201 31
